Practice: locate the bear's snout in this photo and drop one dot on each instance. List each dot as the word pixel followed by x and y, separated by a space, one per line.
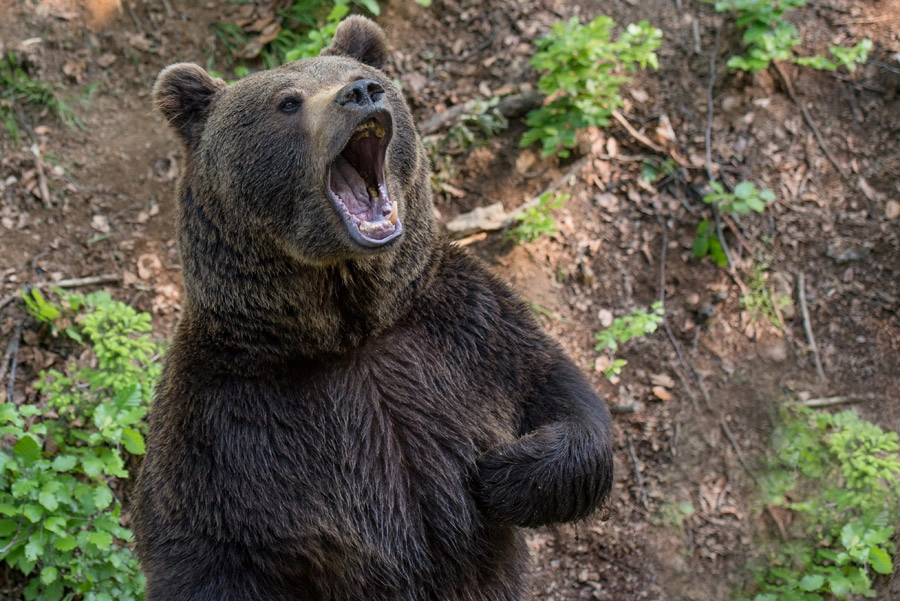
pixel 363 93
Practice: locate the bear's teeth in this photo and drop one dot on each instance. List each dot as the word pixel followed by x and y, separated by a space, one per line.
pixel 393 218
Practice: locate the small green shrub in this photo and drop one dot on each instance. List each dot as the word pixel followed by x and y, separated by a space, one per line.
pixel 482 118
pixel 537 221
pixel 770 37
pixel 745 199
pixel 637 324
pixel 17 87
pixel 583 70
pixel 846 57
pixel 61 459
pixel 839 476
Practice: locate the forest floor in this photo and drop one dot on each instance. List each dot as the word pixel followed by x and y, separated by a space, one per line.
pixel 696 402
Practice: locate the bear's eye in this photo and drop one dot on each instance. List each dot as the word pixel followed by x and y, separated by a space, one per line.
pixel 289 105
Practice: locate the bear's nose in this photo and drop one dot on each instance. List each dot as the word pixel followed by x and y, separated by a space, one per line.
pixel 360 93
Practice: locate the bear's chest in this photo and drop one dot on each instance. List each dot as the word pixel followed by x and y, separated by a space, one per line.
pixel 342 464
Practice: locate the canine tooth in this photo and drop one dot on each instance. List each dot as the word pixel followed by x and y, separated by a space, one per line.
pixel 379 131
pixel 393 218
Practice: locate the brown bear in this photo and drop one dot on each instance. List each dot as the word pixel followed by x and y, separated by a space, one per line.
pixel 351 407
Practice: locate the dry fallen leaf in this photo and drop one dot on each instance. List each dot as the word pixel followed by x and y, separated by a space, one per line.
pixel 148 265
pixel 662 394
pixel 664 380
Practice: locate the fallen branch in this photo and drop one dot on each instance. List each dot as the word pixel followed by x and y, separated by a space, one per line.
pixel 637 473
pixel 94 280
pixel 493 218
pixel 801 293
pixel 838 400
pixel 511 107
pixel 809 120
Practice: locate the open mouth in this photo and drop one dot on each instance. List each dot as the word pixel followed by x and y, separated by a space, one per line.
pixel 356 184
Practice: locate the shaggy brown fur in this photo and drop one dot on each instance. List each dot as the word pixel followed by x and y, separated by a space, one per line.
pixel 351 408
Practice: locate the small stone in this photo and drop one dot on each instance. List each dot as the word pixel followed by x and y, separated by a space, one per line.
pixel 106 60
pixel 605 317
pixel 892 209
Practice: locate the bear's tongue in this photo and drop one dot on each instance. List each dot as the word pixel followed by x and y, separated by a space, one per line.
pixel 366 203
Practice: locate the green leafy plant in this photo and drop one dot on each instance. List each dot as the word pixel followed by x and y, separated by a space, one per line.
pixel 745 199
pixel 62 458
pixel 849 58
pixel 838 475
pixel 482 117
pixel 637 324
pixel 583 70
pixel 706 242
pixel 16 87
pixel 759 301
pixel 769 36
pixel 537 221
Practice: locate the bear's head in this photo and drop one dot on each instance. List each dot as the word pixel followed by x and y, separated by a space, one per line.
pixel 319 158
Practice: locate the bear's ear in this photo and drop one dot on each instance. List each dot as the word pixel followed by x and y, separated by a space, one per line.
pixel 183 93
pixel 360 39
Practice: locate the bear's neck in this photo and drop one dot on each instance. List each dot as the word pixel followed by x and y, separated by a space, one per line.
pixel 254 303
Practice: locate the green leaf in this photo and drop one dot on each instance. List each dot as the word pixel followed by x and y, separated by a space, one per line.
pixel 102 540
pixel 839 584
pixel 64 463
pixel 133 441
pixel 744 190
pixel 880 561
pixel 34 513
pixel 56 525
pixel 65 542
pixel 28 449
pixel 49 575
pixel 48 500
pixel 91 464
pixel 33 548
pixel 8 527
pixel 102 497
pixel 812 582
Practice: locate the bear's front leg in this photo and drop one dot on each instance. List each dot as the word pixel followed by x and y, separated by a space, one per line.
pixel 561 468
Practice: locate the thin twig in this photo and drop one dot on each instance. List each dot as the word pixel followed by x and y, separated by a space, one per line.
pixel 737 449
pixel 807 327
pixel 11 347
pixel 637 473
pixel 137 23
pixel 636 134
pixel 809 120
pixel 838 400
pixel 15 361
pixel 42 178
pixel 709 103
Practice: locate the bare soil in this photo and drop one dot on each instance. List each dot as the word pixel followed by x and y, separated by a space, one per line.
pixel 694 406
